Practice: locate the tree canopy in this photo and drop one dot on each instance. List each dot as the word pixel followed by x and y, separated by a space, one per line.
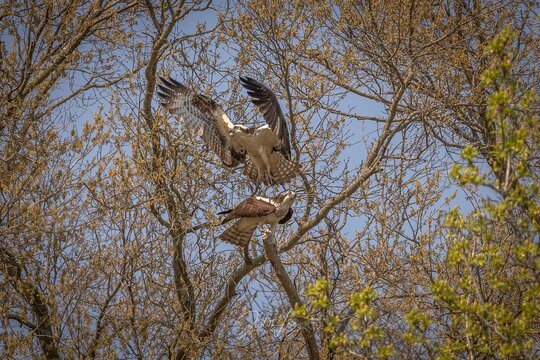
pixel 416 226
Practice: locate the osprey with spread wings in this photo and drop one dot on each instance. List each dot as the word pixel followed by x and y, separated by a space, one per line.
pixel 265 151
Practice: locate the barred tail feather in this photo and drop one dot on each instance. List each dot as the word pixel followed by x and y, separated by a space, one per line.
pixel 250 170
pixel 238 234
pixel 285 170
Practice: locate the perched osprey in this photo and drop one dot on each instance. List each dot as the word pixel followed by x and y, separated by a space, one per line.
pixel 256 211
pixel 265 151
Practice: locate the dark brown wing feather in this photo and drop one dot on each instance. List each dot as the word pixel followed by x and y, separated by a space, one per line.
pixel 287 216
pixel 251 207
pixel 198 112
pixel 267 103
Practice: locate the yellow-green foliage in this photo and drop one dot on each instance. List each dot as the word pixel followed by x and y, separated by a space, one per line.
pixel 496 300
pixel 489 295
pixel 365 331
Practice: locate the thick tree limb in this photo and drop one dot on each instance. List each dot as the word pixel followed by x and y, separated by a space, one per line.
pixel 294 299
pixel 37 301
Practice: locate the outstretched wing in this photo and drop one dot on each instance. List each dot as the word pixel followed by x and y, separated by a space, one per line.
pixel 200 112
pixel 267 104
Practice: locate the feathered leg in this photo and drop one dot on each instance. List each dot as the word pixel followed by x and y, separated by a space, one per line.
pixel 253 174
pixel 247 258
